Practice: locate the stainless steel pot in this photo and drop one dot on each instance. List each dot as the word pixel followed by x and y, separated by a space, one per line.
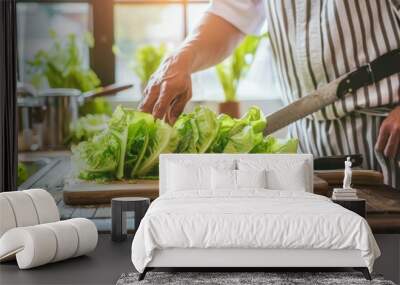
pixel 58 108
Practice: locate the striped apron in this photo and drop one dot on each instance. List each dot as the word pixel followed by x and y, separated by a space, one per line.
pixel 316 41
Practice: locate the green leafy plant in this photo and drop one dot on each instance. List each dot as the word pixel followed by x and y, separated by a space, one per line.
pixel 130 145
pixel 87 127
pixel 61 66
pixel 147 60
pixel 22 173
pixel 233 69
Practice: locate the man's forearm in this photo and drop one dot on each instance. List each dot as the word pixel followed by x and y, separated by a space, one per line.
pixel 211 42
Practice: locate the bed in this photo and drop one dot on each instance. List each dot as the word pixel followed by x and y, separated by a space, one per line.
pixel 246 211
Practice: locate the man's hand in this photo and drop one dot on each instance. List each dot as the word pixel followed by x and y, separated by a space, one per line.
pixel 389 134
pixel 169 89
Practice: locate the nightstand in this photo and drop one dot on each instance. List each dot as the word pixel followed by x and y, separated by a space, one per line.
pixel 119 207
pixel 357 206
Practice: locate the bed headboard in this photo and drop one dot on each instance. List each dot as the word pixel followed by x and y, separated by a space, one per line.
pixel 210 158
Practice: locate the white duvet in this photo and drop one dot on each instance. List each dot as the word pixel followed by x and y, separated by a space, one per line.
pixel 250 219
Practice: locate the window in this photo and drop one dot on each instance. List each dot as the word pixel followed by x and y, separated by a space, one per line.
pixel 129 25
pixel 35 20
pixel 169 23
pixel 140 24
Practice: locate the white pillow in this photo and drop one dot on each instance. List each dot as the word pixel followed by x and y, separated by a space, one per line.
pixel 287 174
pixel 223 179
pixel 182 177
pixel 294 181
pixel 227 179
pixel 183 174
pixel 251 178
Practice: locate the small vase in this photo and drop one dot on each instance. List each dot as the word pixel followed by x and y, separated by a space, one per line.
pixel 231 108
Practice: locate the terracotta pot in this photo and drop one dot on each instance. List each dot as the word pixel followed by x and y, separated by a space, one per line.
pixel 230 108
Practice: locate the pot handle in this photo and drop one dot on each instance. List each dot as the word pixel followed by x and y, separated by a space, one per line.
pixel 107 90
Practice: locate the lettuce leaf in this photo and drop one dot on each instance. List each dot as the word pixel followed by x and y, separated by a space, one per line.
pixel 226 124
pixel 197 130
pixel 98 157
pixel 130 145
pixel 243 141
pixel 271 144
pixel 138 138
pixel 162 139
pixel 240 135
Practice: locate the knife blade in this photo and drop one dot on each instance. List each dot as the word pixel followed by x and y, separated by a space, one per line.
pixel 303 107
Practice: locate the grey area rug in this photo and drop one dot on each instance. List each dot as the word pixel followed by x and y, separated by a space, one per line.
pixel 268 278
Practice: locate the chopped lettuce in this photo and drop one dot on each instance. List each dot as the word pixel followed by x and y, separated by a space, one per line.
pixel 163 139
pixel 130 145
pixel 197 130
pixel 271 144
pixel 98 157
pixel 240 135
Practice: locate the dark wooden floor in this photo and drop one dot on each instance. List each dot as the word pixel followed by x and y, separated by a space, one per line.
pixel 102 266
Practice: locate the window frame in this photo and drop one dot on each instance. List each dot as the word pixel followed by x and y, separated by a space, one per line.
pixel 102 59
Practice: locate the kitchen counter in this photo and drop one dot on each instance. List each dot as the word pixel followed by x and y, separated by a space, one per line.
pixel 383 202
pixel 53 181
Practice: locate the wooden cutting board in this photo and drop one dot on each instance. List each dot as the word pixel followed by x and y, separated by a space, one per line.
pixel 80 192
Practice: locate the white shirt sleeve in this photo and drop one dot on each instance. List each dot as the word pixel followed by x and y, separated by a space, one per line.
pixel 246 15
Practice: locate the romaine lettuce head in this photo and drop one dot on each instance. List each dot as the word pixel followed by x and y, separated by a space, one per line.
pixel 141 128
pixel 197 130
pixel 131 144
pixel 133 129
pixel 256 119
pixel 226 124
pixel 98 157
pixel 271 144
pixel 162 139
pixel 243 141
pixel 118 126
pixel 188 133
pixel 240 135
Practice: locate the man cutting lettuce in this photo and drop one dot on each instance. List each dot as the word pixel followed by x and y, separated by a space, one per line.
pixel 313 43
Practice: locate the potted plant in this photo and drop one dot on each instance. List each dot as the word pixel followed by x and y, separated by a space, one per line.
pixel 233 69
pixel 61 66
pixel 147 60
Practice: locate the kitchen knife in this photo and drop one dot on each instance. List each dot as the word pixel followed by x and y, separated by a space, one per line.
pixel 381 67
pixel 303 107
